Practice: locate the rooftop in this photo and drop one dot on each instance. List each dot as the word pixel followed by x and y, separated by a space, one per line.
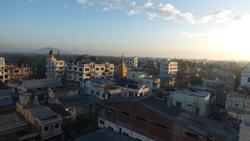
pixel 3 86
pixel 167 76
pixel 11 121
pixel 43 112
pixel 78 100
pixel 192 92
pixel 189 120
pixel 41 83
pixel 104 135
pixel 128 83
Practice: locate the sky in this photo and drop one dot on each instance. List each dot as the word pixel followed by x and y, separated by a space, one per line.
pixel 193 29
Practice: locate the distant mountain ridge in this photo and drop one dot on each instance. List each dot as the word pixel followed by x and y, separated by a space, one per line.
pixel 46 50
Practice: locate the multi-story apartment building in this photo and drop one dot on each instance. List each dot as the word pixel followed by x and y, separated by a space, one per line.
pixel 151 119
pixel 132 62
pixel 14 72
pixel 80 70
pixel 193 101
pixel 168 67
pixel 18 73
pixel 55 67
pixel 4 71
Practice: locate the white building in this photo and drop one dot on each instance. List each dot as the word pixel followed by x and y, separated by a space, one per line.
pixel 168 67
pixel 2 62
pixel 79 70
pixel 132 62
pixel 245 129
pixel 4 71
pixel 143 78
pixel 192 101
pixel 105 89
pixel 55 67
pixel 245 77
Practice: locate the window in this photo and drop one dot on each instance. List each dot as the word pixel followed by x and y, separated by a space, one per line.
pixel 111 128
pixel 100 121
pixel 92 91
pixel 191 135
pixel 248 79
pixel 160 126
pixel 57 125
pixel 126 134
pixel 6 76
pixel 190 105
pixel 102 68
pixel 110 110
pixel 80 69
pixel 97 69
pixel 46 128
pixel 178 104
pixel 86 69
pixel 97 93
pixel 236 105
pixel 125 113
pixel 141 119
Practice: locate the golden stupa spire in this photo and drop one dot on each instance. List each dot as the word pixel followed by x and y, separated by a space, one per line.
pixel 122 56
pixel 122 72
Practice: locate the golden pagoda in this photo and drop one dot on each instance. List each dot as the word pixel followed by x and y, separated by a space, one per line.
pixel 122 70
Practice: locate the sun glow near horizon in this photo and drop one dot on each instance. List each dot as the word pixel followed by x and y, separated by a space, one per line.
pixel 234 38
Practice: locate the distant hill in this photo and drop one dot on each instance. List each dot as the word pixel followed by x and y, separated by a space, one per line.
pixel 46 50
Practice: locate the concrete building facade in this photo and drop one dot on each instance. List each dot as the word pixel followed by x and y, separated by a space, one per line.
pixel 132 62
pixel 193 101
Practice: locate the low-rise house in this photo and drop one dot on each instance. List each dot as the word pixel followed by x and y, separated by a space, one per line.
pixel 237 105
pixel 36 91
pixel 105 89
pixel 46 121
pixel 142 77
pixel 132 88
pixel 79 105
pixel 190 100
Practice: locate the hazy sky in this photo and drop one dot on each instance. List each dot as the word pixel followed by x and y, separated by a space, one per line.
pixel 213 29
